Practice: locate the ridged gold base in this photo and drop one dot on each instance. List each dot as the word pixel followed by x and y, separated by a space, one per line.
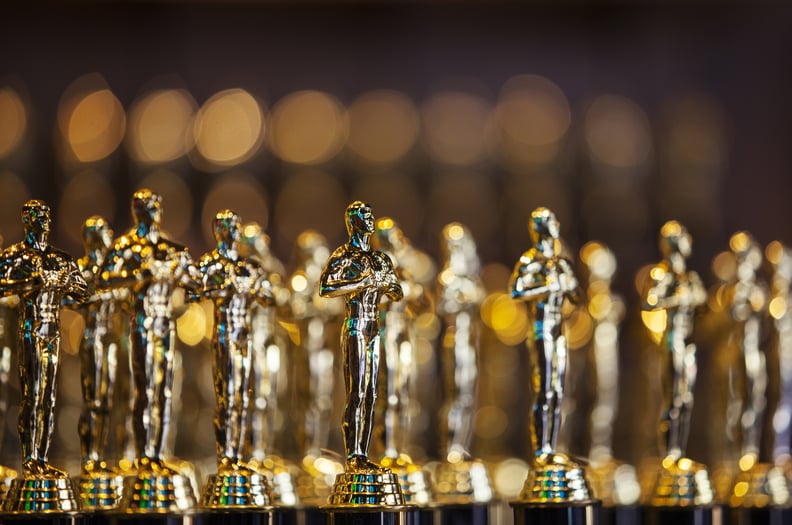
pixel 415 483
pixel 373 488
pixel 100 488
pixel 681 483
pixel 280 474
pixel 613 483
pixel 41 494
pixel 555 478
pixel 462 482
pixel 156 489
pixel 236 488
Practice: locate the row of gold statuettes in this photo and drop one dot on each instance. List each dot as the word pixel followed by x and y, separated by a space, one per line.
pixel 367 280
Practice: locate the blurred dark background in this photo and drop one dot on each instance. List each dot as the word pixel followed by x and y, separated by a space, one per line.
pixel 617 115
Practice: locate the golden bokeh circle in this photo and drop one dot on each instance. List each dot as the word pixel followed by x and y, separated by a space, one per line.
pixel 13 122
pixel 229 127
pixel 383 126
pixel 308 127
pixel 159 125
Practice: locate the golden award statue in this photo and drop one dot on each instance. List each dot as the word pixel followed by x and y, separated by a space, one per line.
pixel 151 267
pixel 366 492
pixel 100 483
pixel 556 485
pixel 398 343
pixel 42 276
pixel 682 487
pixel 234 284
pixel 612 482
pixel 761 490
pixel 313 373
pixel 462 485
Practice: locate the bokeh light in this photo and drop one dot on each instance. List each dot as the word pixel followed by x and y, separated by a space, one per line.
pixel 177 201
pixel 456 125
pixel 308 127
pixel 617 132
pixel 532 117
pixel 310 200
pixel 507 318
pixel 229 128
pixel 191 325
pixel 383 126
pixel 509 477
pixel 13 122
pixel 159 125
pixel 92 120
pixel 87 193
pixel 239 192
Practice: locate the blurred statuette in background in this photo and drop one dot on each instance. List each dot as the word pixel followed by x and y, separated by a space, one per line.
pixel 401 369
pixel 462 483
pixel 760 487
pixel 612 482
pixel 682 487
pixel 100 483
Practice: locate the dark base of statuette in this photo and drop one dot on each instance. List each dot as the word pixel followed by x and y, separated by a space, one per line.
pixel 150 519
pixel 310 516
pixel 473 514
pixel 757 516
pixel 583 513
pixel 620 515
pixel 371 516
pixel 41 519
pixel 682 515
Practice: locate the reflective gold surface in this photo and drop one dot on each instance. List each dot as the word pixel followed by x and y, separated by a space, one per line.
pixel 151 267
pixel 41 275
pixel 544 279
pixel 362 276
pixel 458 477
pixel 234 284
pixel 398 341
pixel 676 292
pixel 100 484
pixel 611 481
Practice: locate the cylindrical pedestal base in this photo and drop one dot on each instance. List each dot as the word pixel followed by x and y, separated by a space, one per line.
pixel 157 492
pixel 619 515
pixel 472 514
pixel 681 515
pixel 758 516
pixel 31 494
pixel 578 513
pixel 371 516
pixel 154 519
